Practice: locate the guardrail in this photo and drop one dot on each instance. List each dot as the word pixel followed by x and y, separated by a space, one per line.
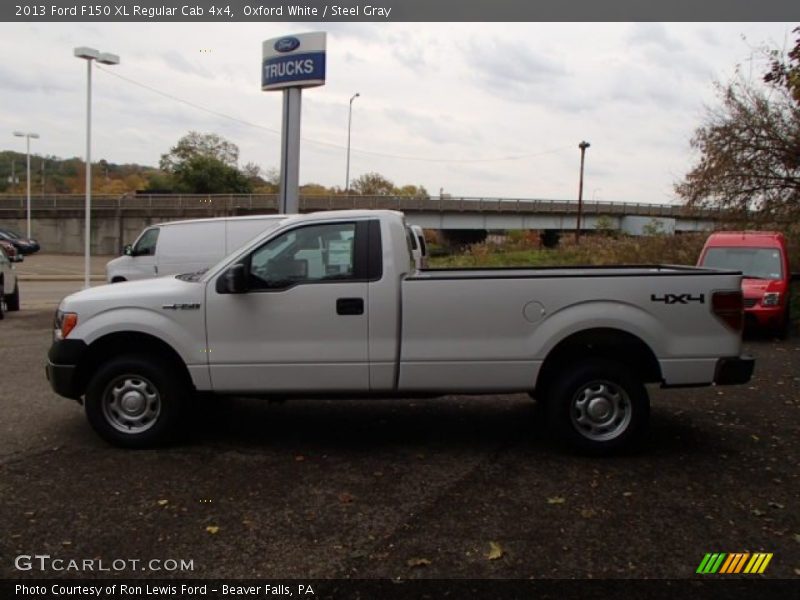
pixel 230 203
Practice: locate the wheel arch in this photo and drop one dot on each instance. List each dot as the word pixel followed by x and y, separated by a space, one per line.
pixel 601 342
pixel 128 342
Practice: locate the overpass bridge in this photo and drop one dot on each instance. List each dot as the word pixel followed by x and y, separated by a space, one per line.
pixel 58 219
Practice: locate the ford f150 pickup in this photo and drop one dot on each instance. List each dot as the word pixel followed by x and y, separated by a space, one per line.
pixel 331 304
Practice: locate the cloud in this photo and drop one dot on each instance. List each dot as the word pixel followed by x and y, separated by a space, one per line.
pixel 512 70
pixel 654 34
pixel 177 61
pixel 31 80
pixel 439 130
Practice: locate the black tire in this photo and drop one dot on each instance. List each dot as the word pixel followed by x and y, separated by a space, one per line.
pixel 134 379
pixel 784 330
pixel 611 391
pixel 12 301
pixel 118 279
pixel 2 303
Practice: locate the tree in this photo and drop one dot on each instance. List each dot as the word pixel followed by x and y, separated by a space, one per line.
pixel 205 163
pixel 314 189
pixel 785 71
pixel 412 190
pixel 252 171
pixel 209 175
pixel 373 184
pixel 750 146
pixel 195 144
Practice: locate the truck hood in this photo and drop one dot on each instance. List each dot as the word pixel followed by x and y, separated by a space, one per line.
pixel 147 293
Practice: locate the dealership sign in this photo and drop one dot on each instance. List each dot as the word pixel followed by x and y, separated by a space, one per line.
pixel 293 61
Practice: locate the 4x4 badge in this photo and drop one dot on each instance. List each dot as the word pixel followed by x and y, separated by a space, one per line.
pixel 678 298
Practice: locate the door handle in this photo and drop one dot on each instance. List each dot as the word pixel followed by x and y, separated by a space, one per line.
pixel 350 306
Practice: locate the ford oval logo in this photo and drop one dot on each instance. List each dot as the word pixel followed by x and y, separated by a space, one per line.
pixel 287 44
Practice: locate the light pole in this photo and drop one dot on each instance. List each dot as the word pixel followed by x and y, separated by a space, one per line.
pixel 28 137
pixel 90 54
pixel 349 122
pixel 583 146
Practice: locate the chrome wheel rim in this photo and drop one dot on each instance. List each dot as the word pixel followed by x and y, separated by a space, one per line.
pixel 600 410
pixel 131 404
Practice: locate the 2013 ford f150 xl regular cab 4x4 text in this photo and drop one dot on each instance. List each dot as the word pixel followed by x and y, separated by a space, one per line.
pixel 331 304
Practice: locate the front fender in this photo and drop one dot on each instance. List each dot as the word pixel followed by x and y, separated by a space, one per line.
pixel 181 330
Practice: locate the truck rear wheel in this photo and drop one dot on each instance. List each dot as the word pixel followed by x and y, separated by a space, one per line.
pixel 135 402
pixel 598 406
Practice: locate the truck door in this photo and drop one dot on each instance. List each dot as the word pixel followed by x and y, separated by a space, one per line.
pixel 301 323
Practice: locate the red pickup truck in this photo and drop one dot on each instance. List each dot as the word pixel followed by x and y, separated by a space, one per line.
pixel 762 258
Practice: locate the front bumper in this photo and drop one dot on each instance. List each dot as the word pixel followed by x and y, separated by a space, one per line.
pixel 766 316
pixel 734 370
pixel 62 367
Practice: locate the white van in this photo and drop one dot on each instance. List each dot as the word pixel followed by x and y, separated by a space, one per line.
pixel 419 249
pixel 186 246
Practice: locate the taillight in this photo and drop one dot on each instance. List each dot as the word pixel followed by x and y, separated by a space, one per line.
pixel 729 308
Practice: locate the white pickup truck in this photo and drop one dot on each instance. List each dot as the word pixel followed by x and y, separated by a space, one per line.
pixel 331 304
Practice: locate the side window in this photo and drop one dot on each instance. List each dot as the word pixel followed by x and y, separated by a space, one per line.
pixel 309 254
pixel 146 244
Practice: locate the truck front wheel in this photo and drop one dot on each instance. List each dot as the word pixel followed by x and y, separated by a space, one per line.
pixel 598 406
pixel 135 402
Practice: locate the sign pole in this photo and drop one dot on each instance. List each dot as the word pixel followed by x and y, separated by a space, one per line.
pixel 289 199
pixel 291 63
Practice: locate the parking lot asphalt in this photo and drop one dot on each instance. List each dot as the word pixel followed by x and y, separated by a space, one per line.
pixel 61 267
pixel 399 488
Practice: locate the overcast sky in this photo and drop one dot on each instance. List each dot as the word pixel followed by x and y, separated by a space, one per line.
pixel 440 103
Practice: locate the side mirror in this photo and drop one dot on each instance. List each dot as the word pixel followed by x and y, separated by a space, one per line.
pixel 128 250
pixel 232 281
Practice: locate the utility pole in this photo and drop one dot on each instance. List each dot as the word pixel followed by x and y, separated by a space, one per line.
pixel 106 58
pixel 349 123
pixel 583 146
pixel 28 137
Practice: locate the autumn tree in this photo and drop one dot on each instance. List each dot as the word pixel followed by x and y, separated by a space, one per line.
pixel 195 144
pixel 204 163
pixel 372 184
pixel 749 146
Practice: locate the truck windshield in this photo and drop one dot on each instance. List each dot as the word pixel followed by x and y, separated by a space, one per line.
pixel 755 263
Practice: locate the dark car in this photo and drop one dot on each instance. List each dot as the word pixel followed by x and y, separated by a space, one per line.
pixel 23 245
pixel 11 251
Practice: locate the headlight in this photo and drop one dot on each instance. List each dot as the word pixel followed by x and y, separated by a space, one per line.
pixel 771 299
pixel 64 323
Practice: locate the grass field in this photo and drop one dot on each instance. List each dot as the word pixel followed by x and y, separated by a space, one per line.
pixel 522 249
